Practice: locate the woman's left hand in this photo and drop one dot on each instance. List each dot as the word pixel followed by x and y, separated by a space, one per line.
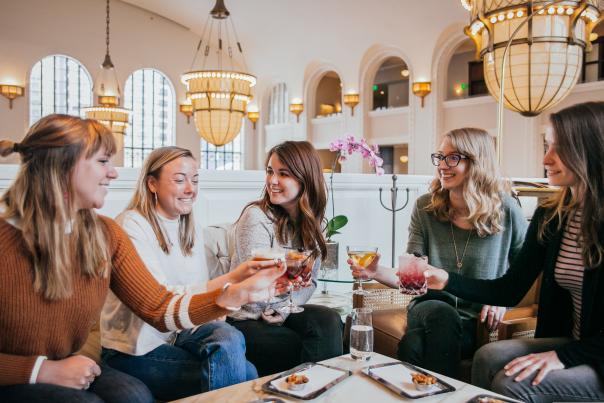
pixel 248 269
pixel 524 366
pixel 491 316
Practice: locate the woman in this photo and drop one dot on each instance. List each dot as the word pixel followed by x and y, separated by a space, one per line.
pixel 290 213
pixel 565 361
pixel 59 260
pixel 466 224
pixel 159 221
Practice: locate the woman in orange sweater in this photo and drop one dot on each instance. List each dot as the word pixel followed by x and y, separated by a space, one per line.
pixel 60 258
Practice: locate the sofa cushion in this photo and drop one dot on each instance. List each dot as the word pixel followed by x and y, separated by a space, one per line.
pixel 389 327
pixel 217 240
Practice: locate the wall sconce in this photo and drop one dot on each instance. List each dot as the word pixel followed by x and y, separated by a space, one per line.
pixel 421 89
pixel 352 100
pixel 253 116
pixel 296 107
pixel 187 110
pixel 404 159
pixel 11 92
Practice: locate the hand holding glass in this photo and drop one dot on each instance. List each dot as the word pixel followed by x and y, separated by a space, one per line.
pixel 361 256
pixel 260 254
pixel 411 275
pixel 298 262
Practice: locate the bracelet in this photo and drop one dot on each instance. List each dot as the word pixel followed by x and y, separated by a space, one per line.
pixel 228 308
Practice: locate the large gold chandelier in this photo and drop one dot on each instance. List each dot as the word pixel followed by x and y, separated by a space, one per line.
pixel 107 94
pixel 543 42
pixel 220 91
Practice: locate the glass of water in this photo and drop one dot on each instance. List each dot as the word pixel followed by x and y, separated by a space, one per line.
pixel 361 334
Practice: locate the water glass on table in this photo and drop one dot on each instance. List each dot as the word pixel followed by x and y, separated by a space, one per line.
pixel 361 334
pixel 362 256
pixel 411 275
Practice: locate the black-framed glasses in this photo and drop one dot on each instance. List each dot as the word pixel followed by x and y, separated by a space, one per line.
pixel 451 160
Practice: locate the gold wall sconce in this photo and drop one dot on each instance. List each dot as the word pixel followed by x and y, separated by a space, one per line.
pixel 11 92
pixel 253 117
pixel 404 159
pixel 352 100
pixel 187 110
pixel 296 107
pixel 421 89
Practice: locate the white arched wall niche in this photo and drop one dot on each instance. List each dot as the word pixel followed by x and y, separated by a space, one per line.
pixel 387 127
pixel 521 141
pixel 324 130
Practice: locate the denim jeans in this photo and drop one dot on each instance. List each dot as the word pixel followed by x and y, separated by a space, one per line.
pixel 211 357
pixel 437 338
pixel 111 386
pixel 312 335
pixel 575 384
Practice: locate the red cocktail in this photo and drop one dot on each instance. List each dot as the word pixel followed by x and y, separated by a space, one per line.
pixel 411 275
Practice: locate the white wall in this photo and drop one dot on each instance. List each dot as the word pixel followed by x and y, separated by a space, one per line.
pixel 289 41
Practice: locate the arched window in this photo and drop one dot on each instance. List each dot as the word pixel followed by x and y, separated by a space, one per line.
pixel 391 84
pixel 150 96
pixel 58 84
pixel 593 62
pixel 223 158
pixel 465 76
pixel 329 95
pixel 278 108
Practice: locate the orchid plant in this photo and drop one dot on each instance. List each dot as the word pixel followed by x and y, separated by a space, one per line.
pixel 343 147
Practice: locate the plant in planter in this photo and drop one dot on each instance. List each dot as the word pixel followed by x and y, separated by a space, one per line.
pixel 346 146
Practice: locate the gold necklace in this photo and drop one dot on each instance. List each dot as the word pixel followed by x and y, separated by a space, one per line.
pixel 457 259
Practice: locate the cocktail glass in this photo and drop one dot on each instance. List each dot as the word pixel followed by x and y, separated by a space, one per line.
pixel 411 275
pixel 299 262
pixel 362 256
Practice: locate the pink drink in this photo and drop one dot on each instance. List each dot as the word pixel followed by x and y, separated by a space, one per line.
pixel 411 275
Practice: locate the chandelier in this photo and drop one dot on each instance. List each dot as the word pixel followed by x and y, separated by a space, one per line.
pixel 220 91
pixel 107 94
pixel 546 41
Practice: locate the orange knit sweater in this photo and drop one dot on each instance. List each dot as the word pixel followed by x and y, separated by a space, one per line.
pixel 31 326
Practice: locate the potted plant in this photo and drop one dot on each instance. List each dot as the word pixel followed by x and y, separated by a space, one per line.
pixel 348 145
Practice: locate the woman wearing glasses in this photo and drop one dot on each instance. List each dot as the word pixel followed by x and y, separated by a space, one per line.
pixel 467 224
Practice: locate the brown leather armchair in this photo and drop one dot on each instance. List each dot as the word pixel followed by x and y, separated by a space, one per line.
pixel 390 319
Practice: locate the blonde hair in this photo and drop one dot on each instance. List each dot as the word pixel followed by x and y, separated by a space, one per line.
pixel 483 187
pixel 143 200
pixel 41 199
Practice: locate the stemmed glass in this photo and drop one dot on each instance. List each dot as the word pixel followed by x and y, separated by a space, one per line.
pixel 298 262
pixel 362 256
pixel 259 254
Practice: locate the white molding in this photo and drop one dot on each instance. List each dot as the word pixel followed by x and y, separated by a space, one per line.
pixel 401 110
pixel 588 87
pixel 463 103
pixel 328 120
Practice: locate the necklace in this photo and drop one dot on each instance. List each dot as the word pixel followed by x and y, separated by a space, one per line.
pixel 463 254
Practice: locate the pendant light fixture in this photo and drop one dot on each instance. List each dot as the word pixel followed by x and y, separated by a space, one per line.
pixel 107 94
pixel 221 90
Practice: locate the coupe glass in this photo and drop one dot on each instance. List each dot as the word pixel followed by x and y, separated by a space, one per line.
pixel 259 254
pixel 362 256
pixel 299 262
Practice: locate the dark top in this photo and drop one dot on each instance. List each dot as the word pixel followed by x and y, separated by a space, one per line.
pixel 554 318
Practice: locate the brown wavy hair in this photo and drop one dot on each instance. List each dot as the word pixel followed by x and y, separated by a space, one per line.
pixel 41 198
pixel 304 163
pixel 483 188
pixel 579 138
pixel 143 199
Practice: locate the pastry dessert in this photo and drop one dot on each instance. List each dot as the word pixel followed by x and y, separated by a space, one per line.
pixel 422 381
pixel 296 381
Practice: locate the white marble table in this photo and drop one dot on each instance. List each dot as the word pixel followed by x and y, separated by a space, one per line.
pixel 357 388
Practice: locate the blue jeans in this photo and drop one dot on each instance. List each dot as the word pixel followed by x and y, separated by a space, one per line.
pixel 575 384
pixel 437 338
pixel 211 357
pixel 111 386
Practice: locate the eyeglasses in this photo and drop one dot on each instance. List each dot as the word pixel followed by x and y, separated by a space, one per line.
pixel 451 160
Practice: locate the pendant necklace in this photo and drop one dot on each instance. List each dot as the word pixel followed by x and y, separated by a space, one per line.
pixel 459 262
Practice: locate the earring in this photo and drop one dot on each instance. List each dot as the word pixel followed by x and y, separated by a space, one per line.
pixel 156 200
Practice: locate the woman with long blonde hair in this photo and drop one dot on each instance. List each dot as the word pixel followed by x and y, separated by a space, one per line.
pixel 564 244
pixel 59 260
pixel 467 224
pixel 159 221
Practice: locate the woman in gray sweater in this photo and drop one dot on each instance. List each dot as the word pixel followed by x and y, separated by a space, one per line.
pixel 290 213
pixel 467 224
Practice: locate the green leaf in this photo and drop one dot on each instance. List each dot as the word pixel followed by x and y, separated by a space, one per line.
pixel 334 225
